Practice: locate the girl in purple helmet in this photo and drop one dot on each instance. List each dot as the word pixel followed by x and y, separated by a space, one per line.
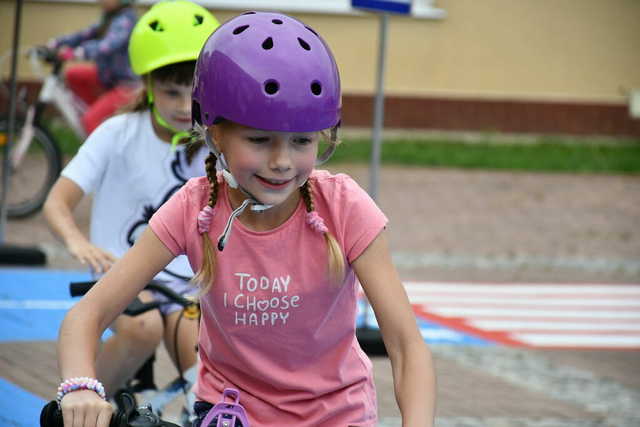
pixel 277 244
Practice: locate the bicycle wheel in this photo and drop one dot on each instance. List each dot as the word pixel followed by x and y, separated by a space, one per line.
pixel 32 179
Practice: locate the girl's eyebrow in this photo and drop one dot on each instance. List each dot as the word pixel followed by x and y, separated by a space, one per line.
pixel 256 132
pixel 309 136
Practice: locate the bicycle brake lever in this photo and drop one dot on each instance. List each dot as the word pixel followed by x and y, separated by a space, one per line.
pixel 169 293
pixel 144 417
pixel 138 307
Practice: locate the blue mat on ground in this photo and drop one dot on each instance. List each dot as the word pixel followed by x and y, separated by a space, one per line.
pixel 34 302
pixel 17 407
pixel 431 332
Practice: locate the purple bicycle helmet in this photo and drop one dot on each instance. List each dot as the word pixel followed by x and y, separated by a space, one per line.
pixel 267 71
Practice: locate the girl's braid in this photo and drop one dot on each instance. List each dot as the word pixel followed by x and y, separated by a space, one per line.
pixel 307 197
pixel 210 167
pixel 204 276
pixel 336 258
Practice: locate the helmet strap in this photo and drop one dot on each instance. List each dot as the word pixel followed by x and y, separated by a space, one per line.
pixel 178 135
pixel 256 205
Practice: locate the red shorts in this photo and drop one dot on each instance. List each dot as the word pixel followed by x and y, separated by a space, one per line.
pixel 83 81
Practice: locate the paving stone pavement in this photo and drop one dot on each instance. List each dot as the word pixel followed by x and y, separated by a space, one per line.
pixel 479 226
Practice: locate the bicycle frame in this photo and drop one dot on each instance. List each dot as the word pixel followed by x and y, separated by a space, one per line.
pixel 162 397
pixel 53 92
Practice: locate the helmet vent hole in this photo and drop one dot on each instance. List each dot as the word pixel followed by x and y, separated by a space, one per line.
pixel 271 87
pixel 251 12
pixel 304 44
pixel 198 20
pixel 267 44
pixel 316 88
pixel 277 21
pixel 156 26
pixel 311 29
pixel 240 29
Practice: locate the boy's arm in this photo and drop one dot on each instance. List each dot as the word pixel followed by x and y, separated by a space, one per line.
pixel 58 211
pixel 412 366
pixel 84 323
pixel 75 39
pixel 116 37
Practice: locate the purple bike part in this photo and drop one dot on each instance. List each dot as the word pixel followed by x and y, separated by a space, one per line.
pixel 267 71
pixel 226 414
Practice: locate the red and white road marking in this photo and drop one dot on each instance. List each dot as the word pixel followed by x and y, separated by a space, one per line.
pixel 535 315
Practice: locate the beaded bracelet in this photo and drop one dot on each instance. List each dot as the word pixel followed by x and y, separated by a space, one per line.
pixel 80 383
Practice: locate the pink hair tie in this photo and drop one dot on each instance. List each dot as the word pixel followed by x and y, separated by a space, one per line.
pixel 316 222
pixel 204 219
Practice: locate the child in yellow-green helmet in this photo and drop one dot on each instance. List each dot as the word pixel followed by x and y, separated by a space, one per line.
pixel 131 168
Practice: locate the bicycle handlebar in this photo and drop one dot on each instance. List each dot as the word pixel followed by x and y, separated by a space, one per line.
pixel 45 54
pixel 51 415
pixel 137 307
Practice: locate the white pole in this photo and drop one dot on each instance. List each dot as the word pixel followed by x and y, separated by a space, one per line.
pixel 378 109
pixel 378 123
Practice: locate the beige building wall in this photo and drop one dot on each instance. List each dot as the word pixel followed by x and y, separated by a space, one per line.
pixel 567 50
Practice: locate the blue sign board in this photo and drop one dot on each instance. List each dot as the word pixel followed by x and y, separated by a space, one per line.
pixel 393 6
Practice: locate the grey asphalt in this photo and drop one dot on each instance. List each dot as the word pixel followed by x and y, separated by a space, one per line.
pixel 472 226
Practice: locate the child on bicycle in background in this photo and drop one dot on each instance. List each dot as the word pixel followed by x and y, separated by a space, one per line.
pixel 277 244
pixel 107 83
pixel 132 166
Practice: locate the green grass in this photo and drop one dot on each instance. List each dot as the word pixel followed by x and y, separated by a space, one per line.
pixel 547 155
pixel 64 136
pixel 544 156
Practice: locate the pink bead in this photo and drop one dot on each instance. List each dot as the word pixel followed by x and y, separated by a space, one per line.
pixel 204 219
pixel 316 222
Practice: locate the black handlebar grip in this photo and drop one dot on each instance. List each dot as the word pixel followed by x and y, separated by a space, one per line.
pixel 51 416
pixel 78 289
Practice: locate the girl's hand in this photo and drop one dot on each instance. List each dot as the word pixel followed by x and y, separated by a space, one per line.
pixel 65 53
pixel 99 260
pixel 52 44
pixel 84 408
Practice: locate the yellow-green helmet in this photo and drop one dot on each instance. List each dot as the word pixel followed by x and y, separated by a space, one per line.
pixel 170 32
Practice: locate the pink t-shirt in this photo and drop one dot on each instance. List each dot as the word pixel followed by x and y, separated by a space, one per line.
pixel 273 326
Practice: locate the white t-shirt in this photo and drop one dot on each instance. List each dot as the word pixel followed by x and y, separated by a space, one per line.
pixel 131 173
